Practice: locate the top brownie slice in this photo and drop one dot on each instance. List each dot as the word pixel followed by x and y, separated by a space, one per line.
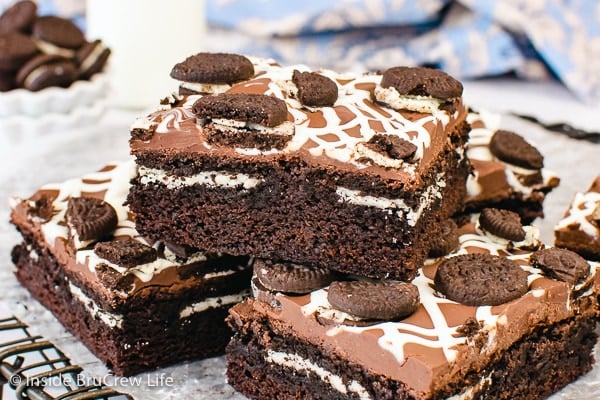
pixel 312 167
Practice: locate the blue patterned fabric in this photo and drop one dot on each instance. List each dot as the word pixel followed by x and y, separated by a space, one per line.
pixel 467 38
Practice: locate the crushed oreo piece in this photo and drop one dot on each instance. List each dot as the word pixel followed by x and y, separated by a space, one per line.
pixel 391 146
pixel 562 264
pixel 43 207
pixel 421 81
pixel 252 108
pixel 480 279
pixel 125 252
pixel 446 240
pixel 113 279
pixel 213 68
pixel 514 149
pixel 91 218
pixel 503 223
pixel 288 277
pixel 469 328
pixel 314 89
pixel 374 300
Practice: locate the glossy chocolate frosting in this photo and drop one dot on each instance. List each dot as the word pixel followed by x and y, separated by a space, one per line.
pixel 324 136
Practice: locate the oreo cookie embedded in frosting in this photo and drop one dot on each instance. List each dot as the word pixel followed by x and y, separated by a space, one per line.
pixel 291 278
pixel 503 223
pixel 389 151
pixel 446 241
pixel 514 149
pixel 562 264
pixel 374 300
pixel 91 219
pixel 211 72
pixel 480 279
pixel 418 89
pixel 314 89
pixel 244 120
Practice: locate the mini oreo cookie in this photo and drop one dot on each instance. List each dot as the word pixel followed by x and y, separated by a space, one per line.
pixel 19 17
pixel 314 89
pixel 91 218
pixel 420 81
pixel 391 146
pixel 374 300
pixel 58 31
pixel 514 149
pixel 503 223
pixel 44 71
pixel 446 240
pixel 562 264
pixel 220 68
pixel 258 109
pixel 480 279
pixel 91 58
pixel 288 277
pixel 15 50
pixel 126 252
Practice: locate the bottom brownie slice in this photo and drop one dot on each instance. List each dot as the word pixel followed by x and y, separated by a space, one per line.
pixel 494 319
pixel 135 303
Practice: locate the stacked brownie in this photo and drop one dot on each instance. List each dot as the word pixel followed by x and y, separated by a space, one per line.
pixel 347 172
pixel 137 303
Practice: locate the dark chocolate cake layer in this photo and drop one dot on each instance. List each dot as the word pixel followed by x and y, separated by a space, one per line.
pixel 136 304
pixel 359 187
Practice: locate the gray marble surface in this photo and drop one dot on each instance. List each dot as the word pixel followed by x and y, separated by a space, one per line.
pixel 27 162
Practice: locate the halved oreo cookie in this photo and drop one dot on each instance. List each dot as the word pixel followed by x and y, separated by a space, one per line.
pixel 314 89
pixel 514 149
pixel 19 17
pixel 201 72
pixel 420 81
pixel 244 120
pixel 92 219
pixel 113 279
pixel 503 223
pixel 446 240
pixel 374 300
pixel 288 277
pixel 125 252
pixel 562 264
pixel 392 146
pixel 480 279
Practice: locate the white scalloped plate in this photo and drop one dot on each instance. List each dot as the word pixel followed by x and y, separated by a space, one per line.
pixel 23 129
pixel 21 102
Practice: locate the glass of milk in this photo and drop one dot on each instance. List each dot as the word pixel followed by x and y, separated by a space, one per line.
pixel 146 37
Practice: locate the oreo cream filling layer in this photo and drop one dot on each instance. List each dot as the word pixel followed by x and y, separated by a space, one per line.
pixel 207 178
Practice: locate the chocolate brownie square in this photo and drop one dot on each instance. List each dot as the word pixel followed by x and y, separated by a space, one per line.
pixel 136 303
pixel 493 319
pixel 508 171
pixel 579 229
pixel 350 172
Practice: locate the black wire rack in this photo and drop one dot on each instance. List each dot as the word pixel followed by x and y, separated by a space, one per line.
pixel 31 367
